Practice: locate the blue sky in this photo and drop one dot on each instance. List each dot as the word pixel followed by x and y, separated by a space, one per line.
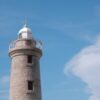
pixel 69 30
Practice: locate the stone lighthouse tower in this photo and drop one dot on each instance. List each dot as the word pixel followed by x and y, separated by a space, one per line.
pixel 25 53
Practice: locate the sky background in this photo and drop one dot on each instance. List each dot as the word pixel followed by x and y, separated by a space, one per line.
pixel 69 30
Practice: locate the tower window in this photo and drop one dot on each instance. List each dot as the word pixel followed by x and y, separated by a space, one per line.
pixel 29 58
pixel 30 85
pixel 28 42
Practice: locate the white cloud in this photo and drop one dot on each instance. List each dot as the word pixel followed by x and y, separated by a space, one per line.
pixel 86 66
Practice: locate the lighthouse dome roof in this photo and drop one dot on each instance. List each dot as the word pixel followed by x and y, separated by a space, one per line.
pixel 25 29
pixel 25 32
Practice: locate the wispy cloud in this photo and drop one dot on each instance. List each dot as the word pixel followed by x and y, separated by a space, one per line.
pixel 4 80
pixel 4 89
pixel 97 10
pixel 86 66
pixel 78 30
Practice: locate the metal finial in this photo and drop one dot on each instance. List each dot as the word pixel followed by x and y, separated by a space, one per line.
pixel 25 23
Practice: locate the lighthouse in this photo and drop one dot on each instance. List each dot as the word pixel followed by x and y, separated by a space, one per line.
pixel 25 53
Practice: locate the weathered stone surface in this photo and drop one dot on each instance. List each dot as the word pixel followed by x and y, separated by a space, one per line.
pixel 22 72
